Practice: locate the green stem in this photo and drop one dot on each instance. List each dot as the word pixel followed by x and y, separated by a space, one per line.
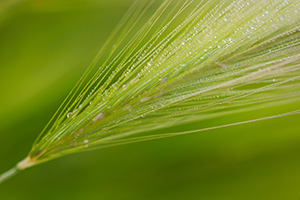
pixel 8 174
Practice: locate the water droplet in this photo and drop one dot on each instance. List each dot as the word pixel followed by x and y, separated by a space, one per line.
pixel 99 117
pixel 145 99
pixel 69 114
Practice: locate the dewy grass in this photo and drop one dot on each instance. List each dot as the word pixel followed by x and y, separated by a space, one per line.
pixel 173 62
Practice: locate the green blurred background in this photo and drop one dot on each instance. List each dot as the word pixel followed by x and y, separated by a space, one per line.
pixel 45 46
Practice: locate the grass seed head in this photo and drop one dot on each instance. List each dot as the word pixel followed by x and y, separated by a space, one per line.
pixel 186 59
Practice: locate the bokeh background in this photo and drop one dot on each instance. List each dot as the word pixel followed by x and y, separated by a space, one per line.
pixel 45 46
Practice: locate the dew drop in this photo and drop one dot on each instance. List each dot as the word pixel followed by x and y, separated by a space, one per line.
pixel 69 114
pixel 145 99
pixel 99 117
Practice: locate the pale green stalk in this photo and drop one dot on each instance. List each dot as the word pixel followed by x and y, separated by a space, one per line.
pixel 8 174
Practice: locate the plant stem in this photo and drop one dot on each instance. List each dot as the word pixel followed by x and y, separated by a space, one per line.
pixel 8 174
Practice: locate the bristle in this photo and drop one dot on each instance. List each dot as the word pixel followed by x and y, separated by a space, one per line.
pixel 189 60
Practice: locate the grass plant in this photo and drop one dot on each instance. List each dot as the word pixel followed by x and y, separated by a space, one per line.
pixel 173 62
